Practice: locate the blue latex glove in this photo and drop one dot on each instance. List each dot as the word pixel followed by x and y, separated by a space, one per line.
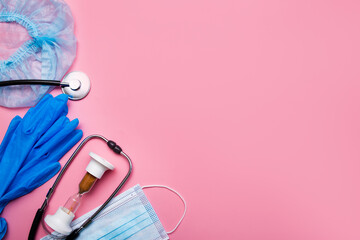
pixel 32 147
pixel 42 162
pixel 34 124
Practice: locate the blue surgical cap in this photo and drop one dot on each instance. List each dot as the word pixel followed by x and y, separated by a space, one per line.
pixel 37 42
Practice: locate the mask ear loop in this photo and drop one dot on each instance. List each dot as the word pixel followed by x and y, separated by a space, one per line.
pixel 178 194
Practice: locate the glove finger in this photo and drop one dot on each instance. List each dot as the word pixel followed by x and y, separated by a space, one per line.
pixel 32 113
pixel 9 133
pixel 61 105
pixel 54 155
pixel 62 133
pixel 3 227
pixel 65 146
pixel 53 144
pixel 39 118
pixel 38 150
pixel 52 131
pixel 43 175
pixel 29 180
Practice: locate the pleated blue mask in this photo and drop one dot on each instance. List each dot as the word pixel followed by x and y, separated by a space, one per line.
pixel 37 42
pixel 128 216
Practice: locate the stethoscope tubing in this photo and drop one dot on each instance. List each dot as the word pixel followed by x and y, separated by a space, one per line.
pixel 39 214
pixel 33 82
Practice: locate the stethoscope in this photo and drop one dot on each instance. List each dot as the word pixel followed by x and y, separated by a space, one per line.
pixel 75 84
pixel 75 233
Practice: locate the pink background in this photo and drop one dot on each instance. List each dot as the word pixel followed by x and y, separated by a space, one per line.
pixel 250 109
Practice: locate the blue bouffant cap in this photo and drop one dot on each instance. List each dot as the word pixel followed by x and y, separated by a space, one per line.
pixel 45 51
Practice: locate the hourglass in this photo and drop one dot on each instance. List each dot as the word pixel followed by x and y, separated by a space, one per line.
pixel 60 221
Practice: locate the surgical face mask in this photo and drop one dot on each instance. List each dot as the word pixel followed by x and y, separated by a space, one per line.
pixel 128 216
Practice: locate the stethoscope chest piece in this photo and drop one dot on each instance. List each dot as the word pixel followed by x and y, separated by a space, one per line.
pixel 78 85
